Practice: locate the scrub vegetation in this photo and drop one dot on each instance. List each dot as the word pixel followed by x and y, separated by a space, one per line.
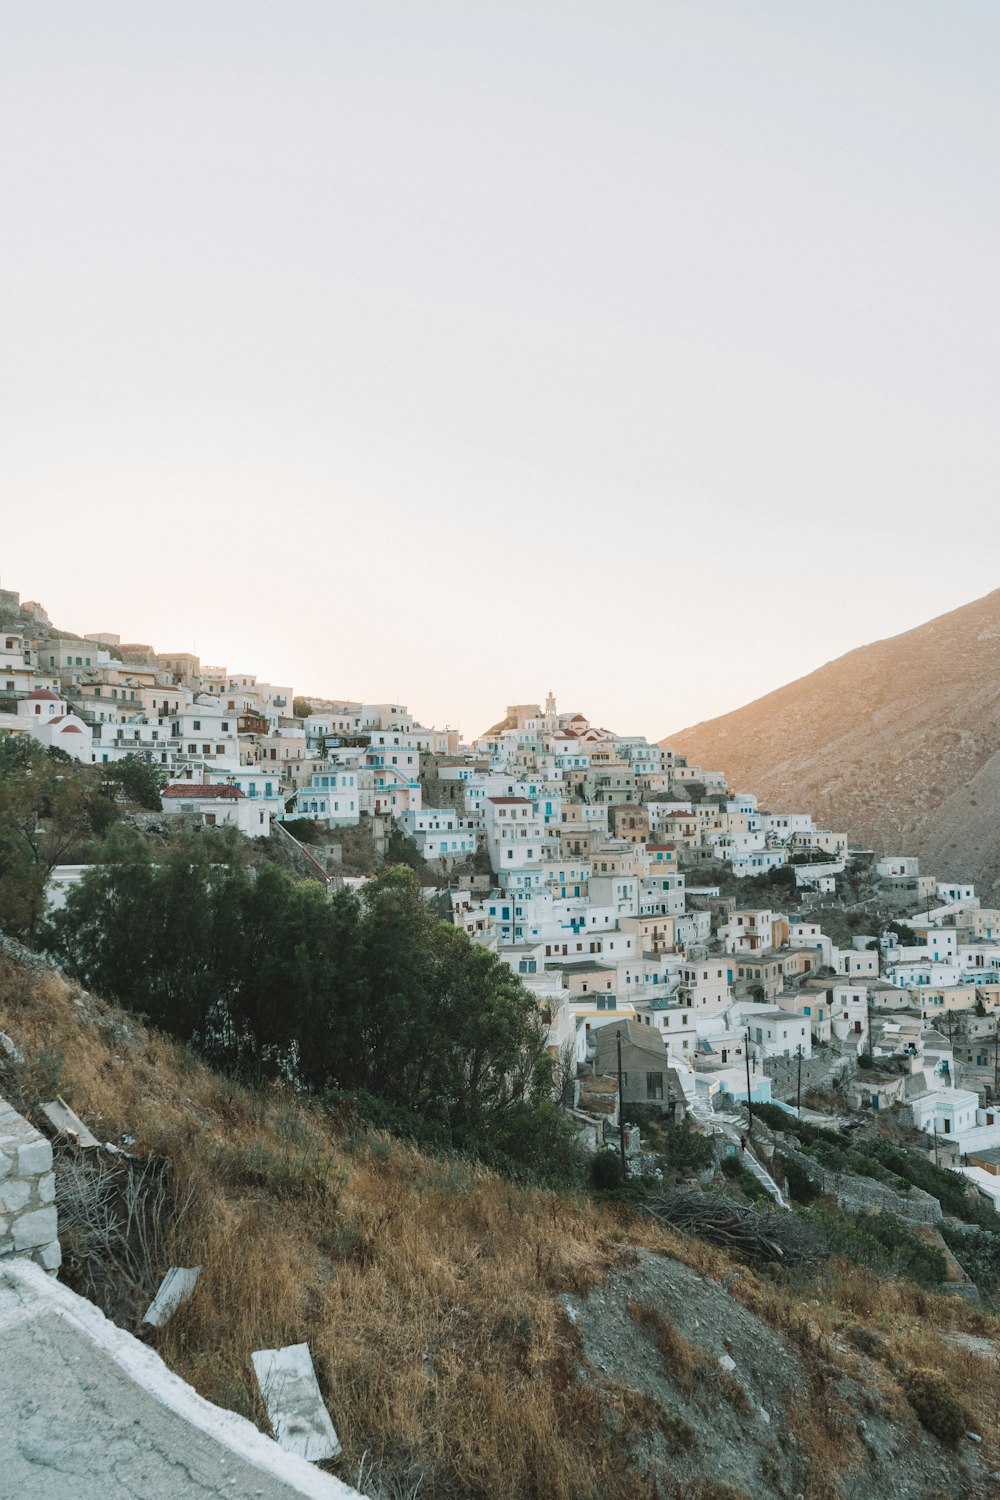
pixel 430 1290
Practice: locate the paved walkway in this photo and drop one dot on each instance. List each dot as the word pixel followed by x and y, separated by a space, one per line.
pixel 764 1177
pixel 90 1413
pixel 734 1128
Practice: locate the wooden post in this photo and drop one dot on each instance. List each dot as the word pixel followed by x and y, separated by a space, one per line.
pixel 749 1090
pixel 621 1106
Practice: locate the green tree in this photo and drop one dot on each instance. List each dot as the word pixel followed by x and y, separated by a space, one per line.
pixel 139 778
pixel 49 806
pixel 271 977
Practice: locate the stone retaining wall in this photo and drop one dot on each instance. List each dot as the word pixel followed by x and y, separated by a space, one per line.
pixel 27 1192
pixel 865 1194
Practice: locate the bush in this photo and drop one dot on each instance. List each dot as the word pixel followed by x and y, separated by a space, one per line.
pixel 881 1243
pixel 606 1173
pixel 897 1167
pixel 776 1118
pixel 740 1177
pixel 934 1402
pixel 801 1187
pixel 306 830
pixel 681 1148
pixel 948 1187
pixel 977 1252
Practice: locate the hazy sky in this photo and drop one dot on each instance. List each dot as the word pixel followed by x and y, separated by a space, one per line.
pixel 452 352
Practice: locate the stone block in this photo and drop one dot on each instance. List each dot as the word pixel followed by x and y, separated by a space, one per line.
pixel 50 1257
pixel 35 1229
pixel 6 1162
pixel 14 1195
pixel 46 1188
pixel 34 1158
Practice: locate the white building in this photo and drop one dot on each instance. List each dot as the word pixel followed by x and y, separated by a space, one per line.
pixel 50 721
pixel 954 1114
pixel 439 833
pixel 216 806
pixel 331 798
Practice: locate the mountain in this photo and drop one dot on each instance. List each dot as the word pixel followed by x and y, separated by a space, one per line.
pixel 898 743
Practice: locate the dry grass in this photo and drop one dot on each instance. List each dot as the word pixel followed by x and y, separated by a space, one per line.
pixel 425 1287
pixel 683 1362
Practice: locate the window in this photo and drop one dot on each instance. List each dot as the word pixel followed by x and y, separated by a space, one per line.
pixel 654 1085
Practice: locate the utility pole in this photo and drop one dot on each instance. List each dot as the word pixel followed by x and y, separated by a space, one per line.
pixel 798 1094
pixel 996 1056
pixel 621 1106
pixel 934 1122
pixel 749 1099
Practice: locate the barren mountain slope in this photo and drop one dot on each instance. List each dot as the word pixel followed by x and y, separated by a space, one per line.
pixel 897 742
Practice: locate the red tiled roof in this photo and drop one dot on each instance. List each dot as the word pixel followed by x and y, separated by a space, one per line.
pixel 200 789
pixel 42 693
pixel 508 799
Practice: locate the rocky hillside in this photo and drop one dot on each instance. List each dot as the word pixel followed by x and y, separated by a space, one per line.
pixel 476 1340
pixel 897 742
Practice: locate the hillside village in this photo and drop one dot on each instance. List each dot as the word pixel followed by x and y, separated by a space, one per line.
pixel 734 952
pixel 744 1013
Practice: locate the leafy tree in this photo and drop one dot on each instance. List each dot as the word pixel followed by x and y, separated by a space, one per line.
pixel 370 996
pixel 49 805
pixel 301 708
pixel 140 779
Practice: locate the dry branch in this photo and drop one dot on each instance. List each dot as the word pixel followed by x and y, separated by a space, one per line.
pixel 760 1235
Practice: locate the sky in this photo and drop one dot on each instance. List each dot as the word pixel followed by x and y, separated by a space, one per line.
pixel 451 352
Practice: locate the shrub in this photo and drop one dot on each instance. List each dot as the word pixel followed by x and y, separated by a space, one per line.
pixel 776 1118
pixel 606 1171
pixel 935 1403
pixel 977 1252
pixel 801 1188
pixel 881 1243
pixel 740 1177
pixel 306 830
pixel 681 1148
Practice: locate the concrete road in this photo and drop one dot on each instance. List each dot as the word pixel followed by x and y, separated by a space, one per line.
pixel 89 1413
